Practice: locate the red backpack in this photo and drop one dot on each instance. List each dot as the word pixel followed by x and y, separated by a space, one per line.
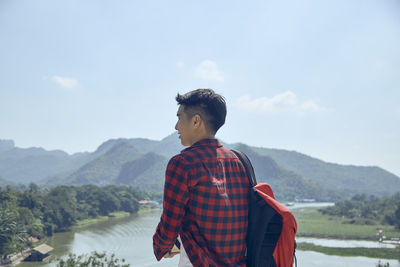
pixel 272 227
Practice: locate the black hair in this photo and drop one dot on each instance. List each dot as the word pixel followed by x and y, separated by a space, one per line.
pixel 209 105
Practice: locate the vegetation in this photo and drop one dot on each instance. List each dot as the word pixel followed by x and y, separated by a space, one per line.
pixel 382 253
pixel 316 222
pixel 313 223
pixel 141 163
pixel 287 185
pixel 12 235
pixel 95 259
pixel 347 180
pixel 380 264
pixel 38 213
pixel 368 210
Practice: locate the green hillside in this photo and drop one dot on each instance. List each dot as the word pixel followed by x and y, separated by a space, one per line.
pixel 32 164
pixel 141 163
pixel 286 184
pixel 347 179
pixel 105 168
pixel 146 172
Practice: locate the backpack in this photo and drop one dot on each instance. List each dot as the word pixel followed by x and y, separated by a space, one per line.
pixel 271 227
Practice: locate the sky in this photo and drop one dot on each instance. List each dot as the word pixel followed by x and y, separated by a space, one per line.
pixel 318 77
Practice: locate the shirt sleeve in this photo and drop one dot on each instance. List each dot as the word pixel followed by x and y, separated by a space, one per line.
pixel 175 198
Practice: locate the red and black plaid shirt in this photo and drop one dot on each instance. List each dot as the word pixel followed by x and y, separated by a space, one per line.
pixel 205 202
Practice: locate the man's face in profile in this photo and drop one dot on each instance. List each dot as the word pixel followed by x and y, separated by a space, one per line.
pixel 183 126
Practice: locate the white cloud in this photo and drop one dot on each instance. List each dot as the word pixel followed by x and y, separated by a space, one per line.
pixel 66 83
pixel 286 102
pixel 207 70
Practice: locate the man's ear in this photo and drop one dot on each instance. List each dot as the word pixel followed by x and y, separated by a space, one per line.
pixel 197 121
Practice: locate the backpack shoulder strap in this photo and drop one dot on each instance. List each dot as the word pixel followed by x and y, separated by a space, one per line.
pixel 247 164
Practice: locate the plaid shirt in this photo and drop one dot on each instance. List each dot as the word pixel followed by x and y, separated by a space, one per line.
pixel 205 202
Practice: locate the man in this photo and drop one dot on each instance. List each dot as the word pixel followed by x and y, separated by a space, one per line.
pixel 206 190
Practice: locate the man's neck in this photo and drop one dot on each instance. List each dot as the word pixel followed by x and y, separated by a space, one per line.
pixel 203 136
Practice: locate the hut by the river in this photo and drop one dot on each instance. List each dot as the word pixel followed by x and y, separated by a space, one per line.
pixel 40 253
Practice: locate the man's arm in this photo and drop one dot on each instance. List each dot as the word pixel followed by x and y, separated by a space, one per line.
pixel 175 198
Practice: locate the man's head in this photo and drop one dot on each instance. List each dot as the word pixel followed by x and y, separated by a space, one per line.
pixel 201 109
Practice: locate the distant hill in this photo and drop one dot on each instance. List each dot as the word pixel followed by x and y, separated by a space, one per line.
pixel 141 163
pixel 25 165
pixel 6 145
pixel 4 182
pixel 146 172
pixel 105 168
pixel 347 179
pixel 286 183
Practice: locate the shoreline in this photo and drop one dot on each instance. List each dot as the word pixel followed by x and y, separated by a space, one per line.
pixel 331 226
pixel 313 224
pixel 19 257
pixel 376 253
pixel 112 215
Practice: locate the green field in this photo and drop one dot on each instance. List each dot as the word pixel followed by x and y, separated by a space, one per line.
pixel 118 214
pixel 312 223
pixel 381 253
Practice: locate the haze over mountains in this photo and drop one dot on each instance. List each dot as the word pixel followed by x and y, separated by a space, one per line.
pixel 141 163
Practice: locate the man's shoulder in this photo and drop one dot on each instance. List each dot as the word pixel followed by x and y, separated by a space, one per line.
pixel 205 153
pixel 186 155
pixel 183 157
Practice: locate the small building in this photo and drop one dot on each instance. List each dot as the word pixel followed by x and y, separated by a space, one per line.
pixel 148 202
pixel 33 239
pixel 40 253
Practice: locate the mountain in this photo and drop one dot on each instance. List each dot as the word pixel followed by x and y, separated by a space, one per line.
pixel 4 182
pixel 141 163
pixel 104 168
pixel 287 184
pixel 347 179
pixel 6 145
pixel 25 165
pixel 146 172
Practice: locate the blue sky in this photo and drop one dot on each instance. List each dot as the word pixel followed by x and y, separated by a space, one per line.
pixel 318 77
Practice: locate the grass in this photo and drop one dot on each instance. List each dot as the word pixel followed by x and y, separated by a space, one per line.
pixel 118 214
pixel 382 253
pixel 312 223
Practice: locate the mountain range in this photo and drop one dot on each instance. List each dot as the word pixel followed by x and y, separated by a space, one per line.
pixel 141 163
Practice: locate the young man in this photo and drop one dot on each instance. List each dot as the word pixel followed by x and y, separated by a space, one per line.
pixel 206 190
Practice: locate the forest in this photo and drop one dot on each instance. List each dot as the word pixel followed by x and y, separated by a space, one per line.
pixel 363 209
pixel 36 212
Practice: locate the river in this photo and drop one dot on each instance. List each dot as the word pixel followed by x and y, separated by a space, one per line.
pixel 131 238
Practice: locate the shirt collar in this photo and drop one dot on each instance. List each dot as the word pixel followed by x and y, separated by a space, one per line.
pixel 205 142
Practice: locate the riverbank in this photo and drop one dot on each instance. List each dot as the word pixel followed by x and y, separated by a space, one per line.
pixel 17 258
pixel 312 223
pixel 130 238
pixel 380 253
pixel 86 222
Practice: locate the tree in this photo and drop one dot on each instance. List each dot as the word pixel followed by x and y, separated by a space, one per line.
pixel 12 234
pixel 397 217
pixel 60 208
pixel 94 260
pixel 31 224
pixel 108 203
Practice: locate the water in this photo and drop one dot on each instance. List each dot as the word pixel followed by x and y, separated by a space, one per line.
pixel 131 238
pixel 310 204
pixel 337 243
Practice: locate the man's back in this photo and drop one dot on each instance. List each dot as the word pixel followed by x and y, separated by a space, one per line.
pixel 208 189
